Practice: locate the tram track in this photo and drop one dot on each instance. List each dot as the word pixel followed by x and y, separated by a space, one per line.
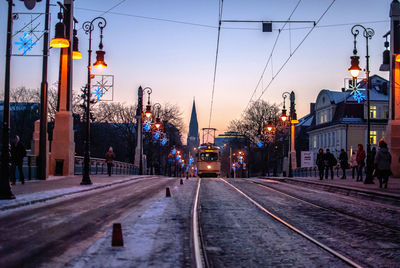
pixel 293 228
pixel 349 215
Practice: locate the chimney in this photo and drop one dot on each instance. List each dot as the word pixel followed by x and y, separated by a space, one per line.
pixel 312 107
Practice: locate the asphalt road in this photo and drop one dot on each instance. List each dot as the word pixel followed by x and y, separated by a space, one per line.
pixel 32 236
pixel 76 231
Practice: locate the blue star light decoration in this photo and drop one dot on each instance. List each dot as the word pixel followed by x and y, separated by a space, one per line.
pixel 98 93
pixel 173 151
pixel 164 141
pixel 146 127
pixel 260 144
pixel 191 160
pixel 25 43
pixel 357 94
pixel 157 135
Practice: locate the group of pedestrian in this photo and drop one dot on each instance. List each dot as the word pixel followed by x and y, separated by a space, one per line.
pixel 325 163
pixel 380 162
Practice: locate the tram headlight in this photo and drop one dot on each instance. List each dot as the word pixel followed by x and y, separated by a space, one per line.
pixel 209 167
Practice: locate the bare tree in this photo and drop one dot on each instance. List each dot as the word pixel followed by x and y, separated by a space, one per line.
pixel 254 119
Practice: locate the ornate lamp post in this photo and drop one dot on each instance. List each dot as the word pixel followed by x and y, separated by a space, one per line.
pixel 139 116
pixel 292 118
pixel 368 33
pixel 88 27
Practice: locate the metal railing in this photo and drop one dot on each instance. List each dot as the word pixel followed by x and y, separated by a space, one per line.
pixel 99 166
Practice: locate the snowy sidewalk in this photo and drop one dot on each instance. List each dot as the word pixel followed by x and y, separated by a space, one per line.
pixel 36 191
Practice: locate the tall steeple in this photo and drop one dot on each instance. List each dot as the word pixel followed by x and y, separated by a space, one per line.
pixel 193 139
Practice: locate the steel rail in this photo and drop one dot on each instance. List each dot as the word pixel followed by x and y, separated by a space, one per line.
pixel 325 208
pixel 196 237
pixel 333 252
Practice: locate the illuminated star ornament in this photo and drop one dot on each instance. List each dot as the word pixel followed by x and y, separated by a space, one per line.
pixel 260 144
pixel 98 93
pixel 146 126
pixel 164 141
pixel 25 43
pixel 357 94
pixel 157 135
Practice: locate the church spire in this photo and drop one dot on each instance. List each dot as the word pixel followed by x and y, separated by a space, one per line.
pixel 193 139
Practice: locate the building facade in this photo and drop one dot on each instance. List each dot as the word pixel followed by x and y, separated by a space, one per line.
pixel 340 121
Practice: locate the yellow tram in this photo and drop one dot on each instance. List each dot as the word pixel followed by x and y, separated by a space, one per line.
pixel 208 160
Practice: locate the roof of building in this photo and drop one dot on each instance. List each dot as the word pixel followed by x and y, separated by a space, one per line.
pixel 347 109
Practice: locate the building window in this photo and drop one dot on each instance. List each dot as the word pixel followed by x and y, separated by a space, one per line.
pixel 372 135
pixel 385 112
pixel 372 111
pixel 383 134
pixel 315 142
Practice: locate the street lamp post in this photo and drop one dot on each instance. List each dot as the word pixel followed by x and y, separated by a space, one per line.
pixel 139 117
pixel 5 189
pixel 292 118
pixel 368 33
pixel 88 27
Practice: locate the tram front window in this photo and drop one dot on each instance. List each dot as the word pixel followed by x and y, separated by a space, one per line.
pixel 209 156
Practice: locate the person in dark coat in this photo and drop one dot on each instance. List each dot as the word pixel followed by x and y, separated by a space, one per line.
pixel 109 160
pixel 18 152
pixel 360 158
pixel 329 161
pixel 320 163
pixel 382 162
pixel 343 159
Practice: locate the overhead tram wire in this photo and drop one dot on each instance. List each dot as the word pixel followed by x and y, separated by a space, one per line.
pixel 271 54
pixel 221 5
pixel 294 51
pixel 216 27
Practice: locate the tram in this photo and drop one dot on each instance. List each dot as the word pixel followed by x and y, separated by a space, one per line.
pixel 208 160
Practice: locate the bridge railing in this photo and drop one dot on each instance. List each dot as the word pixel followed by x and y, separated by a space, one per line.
pixel 99 166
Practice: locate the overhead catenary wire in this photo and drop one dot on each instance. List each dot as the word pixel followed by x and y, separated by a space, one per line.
pixel 221 5
pixel 271 54
pixel 189 23
pixel 294 51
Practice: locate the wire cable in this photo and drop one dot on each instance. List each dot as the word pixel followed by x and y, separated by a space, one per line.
pixel 221 4
pixel 271 54
pixel 294 51
pixel 216 27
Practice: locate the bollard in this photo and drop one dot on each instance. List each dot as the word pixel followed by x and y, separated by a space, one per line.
pixel 167 192
pixel 117 240
pixel 181 182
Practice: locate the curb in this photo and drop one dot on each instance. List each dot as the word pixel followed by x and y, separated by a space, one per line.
pixel 27 203
pixel 371 195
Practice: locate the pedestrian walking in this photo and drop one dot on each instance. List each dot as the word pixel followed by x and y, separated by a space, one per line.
pixel 109 160
pixel 320 163
pixel 329 161
pixel 344 162
pixel 18 152
pixel 382 162
pixel 360 158
pixel 353 164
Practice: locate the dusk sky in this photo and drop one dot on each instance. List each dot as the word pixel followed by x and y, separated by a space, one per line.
pixel 170 46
